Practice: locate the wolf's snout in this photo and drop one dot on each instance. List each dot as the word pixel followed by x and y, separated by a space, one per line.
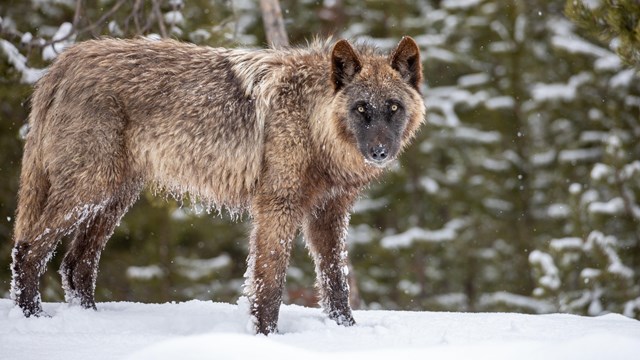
pixel 379 153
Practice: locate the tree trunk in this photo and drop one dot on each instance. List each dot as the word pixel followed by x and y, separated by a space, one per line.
pixel 273 23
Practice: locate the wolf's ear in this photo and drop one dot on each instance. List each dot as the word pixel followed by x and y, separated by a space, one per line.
pixel 405 59
pixel 345 64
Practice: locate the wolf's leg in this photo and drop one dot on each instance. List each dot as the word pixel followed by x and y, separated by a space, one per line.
pixel 79 267
pixel 325 232
pixel 34 248
pixel 32 200
pixel 276 221
pixel 30 256
pixel 97 167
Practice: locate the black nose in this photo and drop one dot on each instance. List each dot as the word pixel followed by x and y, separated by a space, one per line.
pixel 379 153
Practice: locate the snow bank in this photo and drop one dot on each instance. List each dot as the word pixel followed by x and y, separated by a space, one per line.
pixel 206 330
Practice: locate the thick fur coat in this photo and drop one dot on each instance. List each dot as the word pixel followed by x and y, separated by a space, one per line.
pixel 291 135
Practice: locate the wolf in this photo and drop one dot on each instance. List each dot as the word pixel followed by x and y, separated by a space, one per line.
pixel 289 135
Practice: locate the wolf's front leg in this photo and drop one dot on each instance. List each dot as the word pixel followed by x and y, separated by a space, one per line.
pixel 325 232
pixel 276 221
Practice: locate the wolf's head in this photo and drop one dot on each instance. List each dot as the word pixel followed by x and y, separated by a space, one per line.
pixel 380 96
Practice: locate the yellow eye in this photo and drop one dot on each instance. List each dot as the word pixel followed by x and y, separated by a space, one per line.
pixel 361 109
pixel 394 107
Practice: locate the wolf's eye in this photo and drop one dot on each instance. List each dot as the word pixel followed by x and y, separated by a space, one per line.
pixel 394 107
pixel 361 109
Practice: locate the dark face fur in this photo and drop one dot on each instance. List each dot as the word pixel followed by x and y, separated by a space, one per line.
pixel 377 121
pixel 376 95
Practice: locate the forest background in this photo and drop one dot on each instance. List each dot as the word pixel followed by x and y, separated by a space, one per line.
pixel 521 193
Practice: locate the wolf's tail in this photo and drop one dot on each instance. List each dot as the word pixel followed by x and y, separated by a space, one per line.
pixel 34 182
pixel 34 187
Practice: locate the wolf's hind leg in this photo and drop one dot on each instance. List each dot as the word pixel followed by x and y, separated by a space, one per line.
pixel 35 247
pixel 79 269
pixel 29 263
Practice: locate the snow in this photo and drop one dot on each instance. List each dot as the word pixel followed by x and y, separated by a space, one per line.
pixel 26 38
pixel 623 79
pixel 19 62
pixel 558 211
pixel 600 171
pixel 514 300
pixel 195 269
pixel 174 17
pixel 501 47
pixel 500 102
pixel 204 330
pixel 590 273
pixel 144 272
pixel 496 165
pixel 566 40
pixel 560 91
pixel 436 53
pixel 51 51
pixel 629 170
pixel 576 45
pixel 614 206
pixel 444 99
pixel 631 306
pixel 575 188
pixel 459 4
pixel 405 239
pixel 553 91
pixel 476 79
pixel 366 204
pixel 497 204
pixel 360 234
pixel 598 137
pixel 550 278
pixel 565 244
pixel 609 63
pixel 429 185
pixel 409 287
pixel 579 155
pixel 476 136
pixel 607 244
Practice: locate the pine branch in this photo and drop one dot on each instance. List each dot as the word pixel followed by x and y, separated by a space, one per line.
pixel 611 20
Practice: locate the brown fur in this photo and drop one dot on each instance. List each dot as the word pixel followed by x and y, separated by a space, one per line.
pixel 270 131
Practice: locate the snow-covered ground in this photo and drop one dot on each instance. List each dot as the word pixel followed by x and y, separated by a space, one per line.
pixel 207 330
